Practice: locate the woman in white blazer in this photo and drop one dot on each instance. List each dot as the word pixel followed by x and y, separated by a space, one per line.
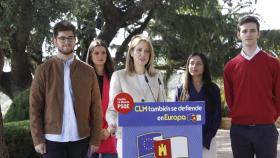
pixel 139 79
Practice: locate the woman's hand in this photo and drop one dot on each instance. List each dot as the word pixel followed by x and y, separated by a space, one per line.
pixel 105 134
pixel 112 129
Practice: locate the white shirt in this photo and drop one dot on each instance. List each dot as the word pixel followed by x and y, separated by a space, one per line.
pixel 141 79
pixel 250 57
pixel 69 131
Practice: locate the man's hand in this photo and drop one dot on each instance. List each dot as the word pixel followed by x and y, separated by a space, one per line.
pixel 92 149
pixel 41 148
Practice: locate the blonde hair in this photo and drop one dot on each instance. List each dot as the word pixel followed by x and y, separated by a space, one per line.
pixel 129 65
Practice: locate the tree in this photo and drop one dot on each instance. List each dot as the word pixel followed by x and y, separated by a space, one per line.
pixel 109 17
pixel 24 26
pixel 185 27
pixel 270 40
pixel 178 28
pixel 3 148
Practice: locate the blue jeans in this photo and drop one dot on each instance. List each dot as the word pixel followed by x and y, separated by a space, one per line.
pixel 96 155
pixel 250 140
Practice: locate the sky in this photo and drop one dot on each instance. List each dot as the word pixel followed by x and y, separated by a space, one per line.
pixel 270 12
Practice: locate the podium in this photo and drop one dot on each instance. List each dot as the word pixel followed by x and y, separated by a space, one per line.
pixel 163 130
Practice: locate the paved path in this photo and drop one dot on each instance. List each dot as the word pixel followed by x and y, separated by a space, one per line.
pixel 224 147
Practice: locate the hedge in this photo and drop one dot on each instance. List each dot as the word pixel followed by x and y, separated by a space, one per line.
pixel 19 141
pixel 19 109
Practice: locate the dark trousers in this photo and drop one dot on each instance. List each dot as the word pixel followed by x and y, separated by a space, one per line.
pixel 96 155
pixel 250 140
pixel 77 149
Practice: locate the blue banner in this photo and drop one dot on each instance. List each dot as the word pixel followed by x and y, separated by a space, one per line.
pixel 164 113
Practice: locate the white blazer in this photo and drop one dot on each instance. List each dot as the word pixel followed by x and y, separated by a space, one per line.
pixel 121 81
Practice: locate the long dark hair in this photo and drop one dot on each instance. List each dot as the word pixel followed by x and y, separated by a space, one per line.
pixel 108 65
pixel 207 82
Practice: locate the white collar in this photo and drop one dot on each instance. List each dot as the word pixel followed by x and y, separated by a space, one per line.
pixel 250 57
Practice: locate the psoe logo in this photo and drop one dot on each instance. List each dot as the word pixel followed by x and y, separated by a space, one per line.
pixel 123 103
pixel 194 117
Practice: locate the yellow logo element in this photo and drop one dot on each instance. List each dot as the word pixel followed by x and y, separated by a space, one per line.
pixel 162 150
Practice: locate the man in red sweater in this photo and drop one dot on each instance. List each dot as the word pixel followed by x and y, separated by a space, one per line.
pixel 252 91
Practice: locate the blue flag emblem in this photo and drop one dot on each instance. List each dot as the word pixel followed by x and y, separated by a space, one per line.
pixel 145 143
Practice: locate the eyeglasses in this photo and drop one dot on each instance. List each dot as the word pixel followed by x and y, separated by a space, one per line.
pixel 64 39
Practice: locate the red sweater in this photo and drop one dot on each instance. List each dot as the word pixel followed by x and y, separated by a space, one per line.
pixel 252 89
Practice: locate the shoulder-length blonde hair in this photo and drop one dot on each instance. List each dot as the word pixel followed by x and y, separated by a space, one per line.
pixel 129 65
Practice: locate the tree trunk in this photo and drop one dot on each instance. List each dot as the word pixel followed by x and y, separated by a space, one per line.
pixel 12 83
pixel 120 52
pixel 3 148
pixel 115 18
pixel 4 77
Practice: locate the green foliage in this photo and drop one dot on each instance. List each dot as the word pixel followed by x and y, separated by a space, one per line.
pixel 269 40
pixel 187 28
pixel 29 15
pixel 225 110
pixel 178 28
pixel 19 141
pixel 19 110
pixel 85 13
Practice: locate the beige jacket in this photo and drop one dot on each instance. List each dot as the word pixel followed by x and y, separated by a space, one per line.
pixel 122 82
pixel 47 97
